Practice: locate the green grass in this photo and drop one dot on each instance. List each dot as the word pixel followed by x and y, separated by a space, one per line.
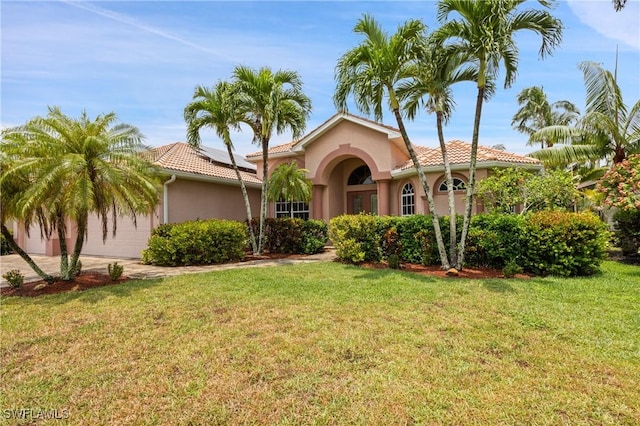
pixel 329 344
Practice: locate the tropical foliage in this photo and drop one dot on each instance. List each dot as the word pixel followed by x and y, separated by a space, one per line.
pixel 59 170
pixel 485 31
pixel 289 183
pixel 216 109
pixel 607 130
pixel 375 72
pixel 517 190
pixel 269 102
pixel 621 184
pixel 536 113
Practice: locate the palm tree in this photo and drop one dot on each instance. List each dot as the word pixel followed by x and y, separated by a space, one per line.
pixel 77 167
pixel 378 68
pixel 619 4
pixel 536 113
pixel 607 130
pixel 269 102
pixel 11 188
pixel 437 69
pixel 289 183
pixel 216 110
pixel 485 30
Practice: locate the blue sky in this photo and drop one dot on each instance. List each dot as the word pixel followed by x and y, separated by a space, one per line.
pixel 143 59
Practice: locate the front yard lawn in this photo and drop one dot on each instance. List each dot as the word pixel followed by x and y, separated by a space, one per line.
pixel 328 344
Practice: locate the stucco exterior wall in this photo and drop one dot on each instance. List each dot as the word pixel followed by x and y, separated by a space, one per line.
pixel 190 200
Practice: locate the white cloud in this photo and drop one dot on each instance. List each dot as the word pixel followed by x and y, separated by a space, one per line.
pixel 623 26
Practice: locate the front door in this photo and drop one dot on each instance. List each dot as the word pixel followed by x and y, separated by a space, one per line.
pixel 362 202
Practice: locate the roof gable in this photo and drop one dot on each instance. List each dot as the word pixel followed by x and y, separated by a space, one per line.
pixel 299 145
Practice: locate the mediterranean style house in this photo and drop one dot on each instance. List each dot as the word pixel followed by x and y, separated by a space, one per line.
pixel 355 164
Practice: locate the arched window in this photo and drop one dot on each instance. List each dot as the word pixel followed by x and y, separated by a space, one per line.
pixel 458 185
pixel 360 176
pixel 408 200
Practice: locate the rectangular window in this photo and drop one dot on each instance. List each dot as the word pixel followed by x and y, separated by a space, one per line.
pixel 300 209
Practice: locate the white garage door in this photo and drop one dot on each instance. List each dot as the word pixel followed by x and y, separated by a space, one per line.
pixel 129 241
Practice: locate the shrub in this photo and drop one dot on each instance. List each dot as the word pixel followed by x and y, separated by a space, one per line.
pixel 565 244
pixel 494 240
pixel 418 238
pixel 284 235
pixel 315 234
pixel 197 243
pixel 357 237
pixel 391 247
pixel 627 231
pixel 115 271
pixel 511 269
pixel 14 278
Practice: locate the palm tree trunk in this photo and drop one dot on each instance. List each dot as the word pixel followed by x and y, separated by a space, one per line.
pixel 291 209
pixel 472 177
pixel 65 272
pixel 16 248
pixel 444 260
pixel 245 197
pixel 77 248
pixel 453 235
pixel 263 197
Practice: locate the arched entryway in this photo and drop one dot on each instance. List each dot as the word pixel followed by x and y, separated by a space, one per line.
pixel 348 181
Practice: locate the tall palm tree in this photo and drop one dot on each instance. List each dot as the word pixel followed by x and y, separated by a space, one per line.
pixel 377 69
pixel 215 109
pixel 437 70
pixel 607 130
pixel 78 167
pixel 289 183
pixel 536 113
pixel 270 102
pixel 485 30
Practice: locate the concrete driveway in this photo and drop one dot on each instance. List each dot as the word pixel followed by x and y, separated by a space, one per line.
pixel 134 269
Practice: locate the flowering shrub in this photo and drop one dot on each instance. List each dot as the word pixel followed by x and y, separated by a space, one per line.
pixel 621 184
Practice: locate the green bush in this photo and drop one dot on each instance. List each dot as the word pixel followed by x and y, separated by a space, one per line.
pixel 495 240
pixel 115 271
pixel 14 278
pixel 315 234
pixel 199 242
pixel 284 235
pixel 564 244
pixel 627 231
pixel 356 237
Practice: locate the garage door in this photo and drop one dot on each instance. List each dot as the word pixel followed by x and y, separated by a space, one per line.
pixel 129 241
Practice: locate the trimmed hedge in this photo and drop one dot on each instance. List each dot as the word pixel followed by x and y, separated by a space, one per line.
pixel 200 242
pixel 565 244
pixel 543 243
pixel 293 235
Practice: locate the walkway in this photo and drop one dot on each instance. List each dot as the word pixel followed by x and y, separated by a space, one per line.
pixel 134 269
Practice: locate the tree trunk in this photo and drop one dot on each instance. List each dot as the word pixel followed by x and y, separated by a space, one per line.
pixel 16 248
pixel 263 196
pixel 65 272
pixel 444 260
pixel 245 197
pixel 77 248
pixel 453 235
pixel 472 177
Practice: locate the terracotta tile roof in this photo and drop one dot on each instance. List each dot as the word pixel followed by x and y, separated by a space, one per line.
pixel 181 157
pixel 460 153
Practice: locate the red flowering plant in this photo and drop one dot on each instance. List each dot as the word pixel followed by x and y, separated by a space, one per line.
pixel 621 184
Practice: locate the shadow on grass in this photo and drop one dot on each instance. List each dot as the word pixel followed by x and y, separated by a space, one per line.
pixel 96 294
pixel 498 285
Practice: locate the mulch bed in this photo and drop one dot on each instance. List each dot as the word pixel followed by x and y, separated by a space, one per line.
pixel 95 279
